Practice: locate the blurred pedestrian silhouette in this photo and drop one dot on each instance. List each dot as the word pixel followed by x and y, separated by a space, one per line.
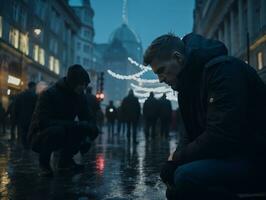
pixel 150 115
pixel 165 115
pixel 131 110
pixel 23 109
pixel 111 115
pixel 2 119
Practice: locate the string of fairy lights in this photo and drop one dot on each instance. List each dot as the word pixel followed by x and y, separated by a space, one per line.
pixel 143 92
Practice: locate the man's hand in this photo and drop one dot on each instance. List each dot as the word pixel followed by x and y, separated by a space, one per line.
pixel 170 158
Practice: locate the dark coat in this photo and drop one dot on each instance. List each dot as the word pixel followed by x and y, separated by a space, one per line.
pixel 58 106
pixel 222 103
pixel 150 109
pixel 24 105
pixel 131 108
pixel 165 109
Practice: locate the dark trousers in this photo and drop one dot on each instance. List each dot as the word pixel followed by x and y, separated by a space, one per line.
pixel 22 135
pixel 218 179
pixel 66 139
pixel 133 125
pixel 165 127
pixel 111 126
pixel 150 126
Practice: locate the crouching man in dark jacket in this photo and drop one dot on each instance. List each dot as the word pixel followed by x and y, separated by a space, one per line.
pixel 54 125
pixel 222 103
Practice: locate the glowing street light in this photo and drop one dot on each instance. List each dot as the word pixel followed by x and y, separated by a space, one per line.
pixel 37 31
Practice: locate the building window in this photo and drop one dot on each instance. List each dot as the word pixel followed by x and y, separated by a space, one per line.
pixel 36 52
pixel 24 43
pixel 55 24
pixel 260 60
pixel 86 48
pixel 51 63
pixel 1 26
pixel 78 45
pixel 78 59
pixel 14 37
pixel 23 17
pixel 39 54
pixel 15 11
pixel 54 64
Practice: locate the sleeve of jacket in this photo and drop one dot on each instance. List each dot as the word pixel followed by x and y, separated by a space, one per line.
pixel 226 111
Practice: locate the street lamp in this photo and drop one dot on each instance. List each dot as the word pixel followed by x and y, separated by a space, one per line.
pixel 37 31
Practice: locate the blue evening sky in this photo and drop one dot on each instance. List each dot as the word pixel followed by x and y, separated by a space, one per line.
pixel 149 18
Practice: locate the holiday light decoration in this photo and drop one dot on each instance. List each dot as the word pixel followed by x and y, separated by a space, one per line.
pixel 161 89
pixel 144 92
pixel 137 64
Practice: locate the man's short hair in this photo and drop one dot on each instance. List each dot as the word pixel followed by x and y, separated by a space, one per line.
pixel 162 48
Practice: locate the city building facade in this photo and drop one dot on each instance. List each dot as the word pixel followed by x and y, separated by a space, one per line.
pixel 84 40
pixel 240 24
pixel 36 43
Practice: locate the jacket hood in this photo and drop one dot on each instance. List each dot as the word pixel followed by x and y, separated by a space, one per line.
pixel 200 50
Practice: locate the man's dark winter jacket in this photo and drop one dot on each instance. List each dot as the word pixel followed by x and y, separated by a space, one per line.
pixel 58 106
pixel 222 102
pixel 165 111
pixel 131 108
pixel 150 109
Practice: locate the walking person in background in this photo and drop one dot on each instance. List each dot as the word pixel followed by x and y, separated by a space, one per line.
pixel 131 110
pixel 23 109
pixel 111 115
pixel 11 119
pixel 165 115
pixel 2 119
pixel 150 114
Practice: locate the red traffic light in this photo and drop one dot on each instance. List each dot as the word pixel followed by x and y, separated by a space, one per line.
pixel 100 96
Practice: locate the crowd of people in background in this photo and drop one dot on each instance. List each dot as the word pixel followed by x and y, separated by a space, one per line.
pixel 156 116
pixel 41 116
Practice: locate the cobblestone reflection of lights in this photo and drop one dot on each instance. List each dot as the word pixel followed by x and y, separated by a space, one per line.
pixel 100 163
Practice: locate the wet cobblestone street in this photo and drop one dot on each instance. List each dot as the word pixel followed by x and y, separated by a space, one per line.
pixel 115 169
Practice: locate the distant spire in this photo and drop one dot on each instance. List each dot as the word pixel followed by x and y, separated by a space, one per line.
pixel 124 12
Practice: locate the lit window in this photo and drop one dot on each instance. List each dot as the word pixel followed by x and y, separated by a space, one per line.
pixel 56 66
pixel 14 37
pixel 51 63
pixel 24 43
pixel 41 56
pixel 1 26
pixel 36 52
pixel 260 60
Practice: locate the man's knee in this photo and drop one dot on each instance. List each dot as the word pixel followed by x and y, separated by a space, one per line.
pixel 184 178
pixel 50 138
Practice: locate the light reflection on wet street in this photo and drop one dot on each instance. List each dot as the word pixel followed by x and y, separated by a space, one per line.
pixel 115 169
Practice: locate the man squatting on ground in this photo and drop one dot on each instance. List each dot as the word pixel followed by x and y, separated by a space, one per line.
pixel 53 127
pixel 222 103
